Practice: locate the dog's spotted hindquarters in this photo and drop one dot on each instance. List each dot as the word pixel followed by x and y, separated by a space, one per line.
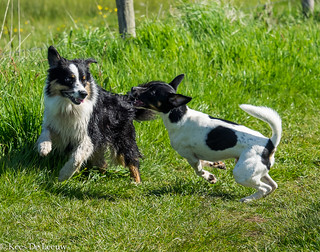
pixel 84 121
pixel 197 136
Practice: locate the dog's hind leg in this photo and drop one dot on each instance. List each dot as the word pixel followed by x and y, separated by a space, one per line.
pixel 268 180
pixel 98 160
pixel 262 190
pixel 132 163
pixel 197 166
pixel 134 172
pixel 127 154
pixel 249 172
pixel 127 151
pixel 78 157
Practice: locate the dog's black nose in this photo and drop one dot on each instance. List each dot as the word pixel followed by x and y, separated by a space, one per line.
pixel 83 94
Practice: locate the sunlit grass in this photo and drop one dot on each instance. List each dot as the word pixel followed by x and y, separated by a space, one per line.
pixel 40 21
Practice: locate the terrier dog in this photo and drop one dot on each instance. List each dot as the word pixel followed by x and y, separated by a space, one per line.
pixel 82 118
pixel 197 136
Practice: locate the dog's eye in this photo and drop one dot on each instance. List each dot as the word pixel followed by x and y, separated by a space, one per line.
pixel 70 78
pixel 84 80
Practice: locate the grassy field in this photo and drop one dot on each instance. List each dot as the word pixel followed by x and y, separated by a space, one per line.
pixel 230 56
pixel 41 22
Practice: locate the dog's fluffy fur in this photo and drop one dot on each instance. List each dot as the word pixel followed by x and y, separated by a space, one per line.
pixel 82 118
pixel 197 136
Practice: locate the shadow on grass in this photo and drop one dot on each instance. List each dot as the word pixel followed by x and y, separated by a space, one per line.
pixel 27 158
pixel 115 184
pixel 91 184
pixel 189 187
pixel 43 172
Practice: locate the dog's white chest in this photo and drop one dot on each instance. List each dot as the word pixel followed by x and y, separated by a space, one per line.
pixel 68 122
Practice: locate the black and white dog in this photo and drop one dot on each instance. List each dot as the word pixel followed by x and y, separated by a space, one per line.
pixel 197 136
pixel 82 118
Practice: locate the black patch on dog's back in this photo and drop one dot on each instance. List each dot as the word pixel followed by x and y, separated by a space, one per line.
pixel 265 157
pixel 177 113
pixel 221 138
pixel 223 120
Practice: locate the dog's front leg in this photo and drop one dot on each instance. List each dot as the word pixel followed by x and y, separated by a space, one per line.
pixel 78 157
pixel 218 164
pixel 44 142
pixel 197 166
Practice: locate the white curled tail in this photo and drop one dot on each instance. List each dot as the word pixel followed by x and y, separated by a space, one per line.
pixel 269 116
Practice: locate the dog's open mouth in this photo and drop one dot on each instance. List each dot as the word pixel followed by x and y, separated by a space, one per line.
pixel 69 95
pixel 135 102
pixel 138 103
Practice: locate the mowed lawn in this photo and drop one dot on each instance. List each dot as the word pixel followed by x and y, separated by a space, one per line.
pixel 230 55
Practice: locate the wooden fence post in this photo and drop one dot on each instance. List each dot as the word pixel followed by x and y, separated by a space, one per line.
pixel 307 7
pixel 126 20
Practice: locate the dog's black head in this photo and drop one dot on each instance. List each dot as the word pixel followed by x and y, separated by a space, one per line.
pixel 70 79
pixel 159 96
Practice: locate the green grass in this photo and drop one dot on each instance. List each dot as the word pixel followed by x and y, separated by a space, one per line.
pixel 229 58
pixel 41 22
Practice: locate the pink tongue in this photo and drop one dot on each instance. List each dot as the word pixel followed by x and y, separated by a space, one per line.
pixel 138 103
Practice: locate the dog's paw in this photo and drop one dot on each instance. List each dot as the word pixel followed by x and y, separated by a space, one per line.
pixel 62 178
pixel 103 170
pixel 218 165
pixel 63 175
pixel 212 179
pixel 246 200
pixel 44 148
pixel 67 171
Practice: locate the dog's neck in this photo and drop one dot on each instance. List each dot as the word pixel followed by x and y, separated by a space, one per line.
pixel 175 117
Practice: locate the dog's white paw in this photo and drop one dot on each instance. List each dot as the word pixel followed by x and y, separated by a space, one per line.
pixel 212 179
pixel 44 148
pixel 208 176
pixel 246 200
pixel 63 175
pixel 67 171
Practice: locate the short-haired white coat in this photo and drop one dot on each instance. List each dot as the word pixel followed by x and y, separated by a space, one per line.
pixel 197 136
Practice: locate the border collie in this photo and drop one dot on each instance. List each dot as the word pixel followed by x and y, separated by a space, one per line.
pixel 197 136
pixel 82 118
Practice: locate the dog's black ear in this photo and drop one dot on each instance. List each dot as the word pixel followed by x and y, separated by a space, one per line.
pixel 177 99
pixel 176 81
pixel 90 60
pixel 53 57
